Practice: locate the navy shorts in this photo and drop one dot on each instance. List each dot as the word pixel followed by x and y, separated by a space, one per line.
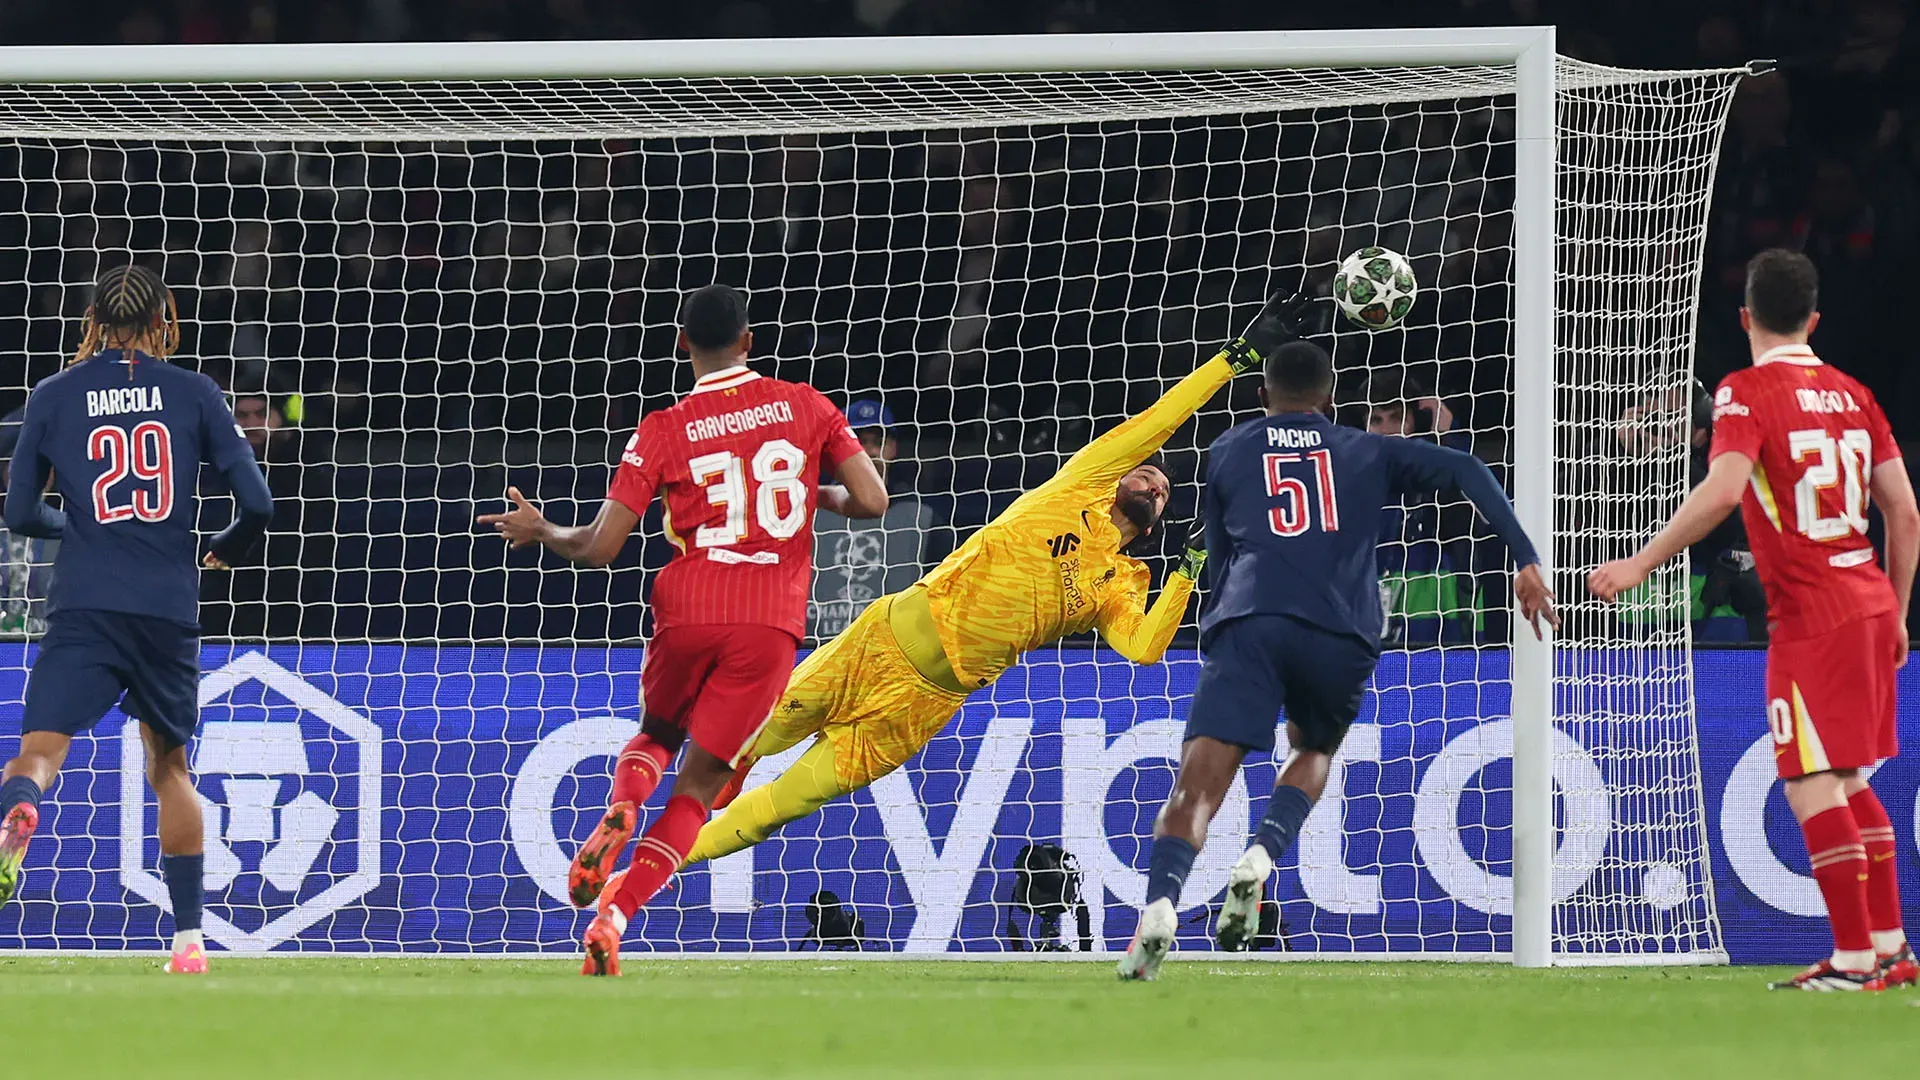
pixel 1258 665
pixel 89 661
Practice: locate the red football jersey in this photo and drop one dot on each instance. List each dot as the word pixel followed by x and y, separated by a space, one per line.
pixel 738 463
pixel 1815 436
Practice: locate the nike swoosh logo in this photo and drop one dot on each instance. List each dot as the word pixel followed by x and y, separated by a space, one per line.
pixel 1085 522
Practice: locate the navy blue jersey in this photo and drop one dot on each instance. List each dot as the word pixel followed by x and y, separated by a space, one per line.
pixel 123 442
pixel 1295 507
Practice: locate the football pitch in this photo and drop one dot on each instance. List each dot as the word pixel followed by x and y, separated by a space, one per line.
pixel 338 1018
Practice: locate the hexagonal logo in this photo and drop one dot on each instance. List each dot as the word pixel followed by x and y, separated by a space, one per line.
pixel 289 783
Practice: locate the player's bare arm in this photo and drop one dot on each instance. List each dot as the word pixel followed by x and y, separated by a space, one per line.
pixel 596 543
pixel 1704 508
pixel 1535 599
pixel 860 492
pixel 1893 491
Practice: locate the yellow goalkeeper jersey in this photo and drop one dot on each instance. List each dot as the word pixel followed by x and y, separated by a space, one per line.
pixel 1051 564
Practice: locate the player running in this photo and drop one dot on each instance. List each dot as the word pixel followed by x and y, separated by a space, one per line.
pixel 1293 512
pixel 121 435
pixel 1053 564
pixel 737 462
pixel 1798 446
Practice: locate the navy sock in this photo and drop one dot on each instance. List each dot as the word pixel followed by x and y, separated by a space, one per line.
pixel 185 876
pixel 1168 867
pixel 1285 812
pixel 20 789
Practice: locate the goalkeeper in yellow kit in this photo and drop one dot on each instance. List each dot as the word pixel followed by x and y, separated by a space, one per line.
pixel 1053 564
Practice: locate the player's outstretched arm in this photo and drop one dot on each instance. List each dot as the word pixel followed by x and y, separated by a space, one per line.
pixel 1704 508
pixel 1893 492
pixel 859 494
pixel 1424 467
pixel 596 543
pixel 1119 451
pixel 26 510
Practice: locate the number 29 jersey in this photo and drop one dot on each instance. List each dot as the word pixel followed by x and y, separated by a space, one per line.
pixel 738 463
pixel 1815 436
pixel 124 438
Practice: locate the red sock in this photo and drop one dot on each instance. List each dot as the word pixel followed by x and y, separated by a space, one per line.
pixel 638 770
pixel 1883 880
pixel 662 848
pixel 1840 866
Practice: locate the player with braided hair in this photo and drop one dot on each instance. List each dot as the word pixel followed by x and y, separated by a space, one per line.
pixel 132 308
pixel 121 435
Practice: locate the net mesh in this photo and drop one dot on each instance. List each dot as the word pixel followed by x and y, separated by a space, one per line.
pixel 421 294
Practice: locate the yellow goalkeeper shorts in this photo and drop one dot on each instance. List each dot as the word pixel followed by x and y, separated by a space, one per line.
pixel 861 693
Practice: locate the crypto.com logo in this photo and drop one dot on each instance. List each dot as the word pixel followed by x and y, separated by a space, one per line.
pixel 252 756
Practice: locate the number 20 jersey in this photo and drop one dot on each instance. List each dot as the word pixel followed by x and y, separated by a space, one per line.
pixel 124 439
pixel 1814 436
pixel 738 463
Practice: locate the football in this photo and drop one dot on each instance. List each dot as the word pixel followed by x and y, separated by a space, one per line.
pixel 1375 287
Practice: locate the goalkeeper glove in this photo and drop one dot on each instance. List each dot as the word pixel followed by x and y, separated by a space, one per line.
pixel 1283 319
pixel 1196 556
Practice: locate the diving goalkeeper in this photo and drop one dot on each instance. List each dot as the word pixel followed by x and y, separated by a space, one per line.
pixel 1053 564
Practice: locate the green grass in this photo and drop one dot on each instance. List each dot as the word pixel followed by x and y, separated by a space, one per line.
pixel 344 1019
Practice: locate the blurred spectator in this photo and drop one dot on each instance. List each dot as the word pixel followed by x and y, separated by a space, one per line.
pixel 1436 545
pixel 1839 231
pixel 872 422
pixel 1403 416
pixel 855 562
pixel 263 423
pixel 1654 428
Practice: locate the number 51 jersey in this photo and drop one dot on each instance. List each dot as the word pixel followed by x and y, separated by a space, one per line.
pixel 738 463
pixel 1814 436
pixel 124 438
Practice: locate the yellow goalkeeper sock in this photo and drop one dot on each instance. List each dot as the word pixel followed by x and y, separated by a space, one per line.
pixel 806 786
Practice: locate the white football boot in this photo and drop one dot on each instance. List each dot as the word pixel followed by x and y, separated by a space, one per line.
pixel 1246 887
pixel 1150 942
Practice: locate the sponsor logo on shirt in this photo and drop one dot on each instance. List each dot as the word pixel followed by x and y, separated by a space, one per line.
pixel 1062 544
pixel 123 399
pixel 1724 405
pixel 631 455
pixel 1851 558
pixel 1070 586
pixel 735 558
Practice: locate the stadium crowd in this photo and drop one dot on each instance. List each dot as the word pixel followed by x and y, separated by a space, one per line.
pixel 405 329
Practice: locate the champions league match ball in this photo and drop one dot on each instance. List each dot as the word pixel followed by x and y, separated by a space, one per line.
pixel 1375 288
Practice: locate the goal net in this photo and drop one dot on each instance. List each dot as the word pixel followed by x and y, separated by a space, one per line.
pixel 420 293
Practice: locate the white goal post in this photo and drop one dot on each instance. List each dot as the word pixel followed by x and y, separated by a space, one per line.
pixel 1556 212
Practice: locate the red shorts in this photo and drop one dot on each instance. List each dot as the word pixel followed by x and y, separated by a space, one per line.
pixel 1830 699
pixel 717 683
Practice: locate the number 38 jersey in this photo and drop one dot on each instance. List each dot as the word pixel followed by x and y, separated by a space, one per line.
pixel 123 439
pixel 738 463
pixel 1814 436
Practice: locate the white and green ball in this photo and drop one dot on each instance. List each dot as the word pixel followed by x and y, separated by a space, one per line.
pixel 1375 287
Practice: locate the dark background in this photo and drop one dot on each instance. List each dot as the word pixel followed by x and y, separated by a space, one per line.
pixel 435 347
